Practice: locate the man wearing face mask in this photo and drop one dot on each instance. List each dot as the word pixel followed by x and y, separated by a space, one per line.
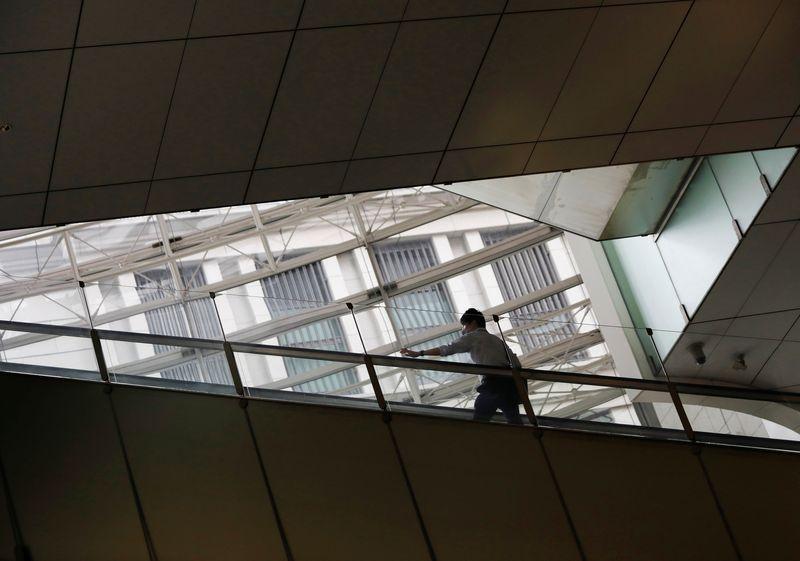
pixel 494 392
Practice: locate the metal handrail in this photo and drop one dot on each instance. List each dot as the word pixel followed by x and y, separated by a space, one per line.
pixel 370 361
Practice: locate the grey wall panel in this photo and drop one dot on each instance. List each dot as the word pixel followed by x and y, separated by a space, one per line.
pixel 633 499
pixel 66 471
pixel 484 491
pixel 759 494
pixel 198 476
pixel 337 484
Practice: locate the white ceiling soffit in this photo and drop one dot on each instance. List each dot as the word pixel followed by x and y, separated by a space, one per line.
pixel 101 116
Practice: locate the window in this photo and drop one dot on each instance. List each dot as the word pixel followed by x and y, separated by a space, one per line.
pixel 195 318
pixel 520 274
pixel 424 307
pixel 300 289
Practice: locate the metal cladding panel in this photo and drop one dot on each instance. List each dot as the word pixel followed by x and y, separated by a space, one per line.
pixel 33 100
pixel 632 499
pixel 66 471
pixel 337 484
pixel 334 71
pixel 121 21
pixel 29 25
pixel 615 66
pixel 758 493
pixel 114 113
pixel 521 77
pixel 219 130
pixel 489 482
pixel 424 85
pixel 710 50
pixel 6 533
pixel 198 476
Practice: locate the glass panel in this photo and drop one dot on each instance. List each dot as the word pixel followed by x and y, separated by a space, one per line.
pixel 698 239
pixel 647 288
pixel 262 373
pixel 743 417
pixel 526 195
pixel 48 355
pixel 739 179
pixel 773 163
pixel 166 365
pixel 649 193
pixel 602 404
pixel 44 302
pixel 583 200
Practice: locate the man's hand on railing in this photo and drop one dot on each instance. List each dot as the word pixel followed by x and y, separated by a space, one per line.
pixel 408 352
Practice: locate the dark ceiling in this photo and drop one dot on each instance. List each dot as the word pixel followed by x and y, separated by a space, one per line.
pixel 121 108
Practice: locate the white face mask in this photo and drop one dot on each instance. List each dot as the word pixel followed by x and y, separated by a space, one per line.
pixel 464 331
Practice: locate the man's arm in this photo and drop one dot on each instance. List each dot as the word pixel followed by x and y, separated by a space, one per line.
pixel 461 345
pixel 435 351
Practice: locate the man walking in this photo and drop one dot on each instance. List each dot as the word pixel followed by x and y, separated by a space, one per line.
pixel 494 392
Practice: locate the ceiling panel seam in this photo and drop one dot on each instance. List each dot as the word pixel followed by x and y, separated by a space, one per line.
pixel 653 79
pixel 563 83
pixel 169 107
pixel 61 114
pixel 372 98
pixel 469 92
pixel 741 71
pixel 272 103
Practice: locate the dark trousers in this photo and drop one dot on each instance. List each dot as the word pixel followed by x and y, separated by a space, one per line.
pixel 487 403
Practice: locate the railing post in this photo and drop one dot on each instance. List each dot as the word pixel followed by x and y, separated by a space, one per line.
pixel 373 375
pixel 230 358
pixel 99 356
pixel 673 393
pixel 519 381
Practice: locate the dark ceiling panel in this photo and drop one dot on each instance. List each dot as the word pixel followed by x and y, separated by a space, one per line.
pixel 779 288
pixel 114 114
pixel 77 205
pixel 221 102
pixel 31 103
pixel 325 93
pixel 424 85
pixel 520 79
pixel 703 63
pixel 770 82
pixel 38 24
pixel 614 68
pixel 21 211
pixel 224 17
pixel 424 9
pixel 573 153
pixel 396 171
pixel 323 13
pixel 791 136
pixel 491 161
pixel 784 204
pixel 190 193
pixel 122 21
pixel 295 182
pixel 659 145
pixel 747 135
pixel 530 5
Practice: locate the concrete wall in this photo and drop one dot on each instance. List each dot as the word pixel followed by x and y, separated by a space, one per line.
pixel 143 473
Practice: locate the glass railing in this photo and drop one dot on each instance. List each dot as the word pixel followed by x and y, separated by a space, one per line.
pixel 575 373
